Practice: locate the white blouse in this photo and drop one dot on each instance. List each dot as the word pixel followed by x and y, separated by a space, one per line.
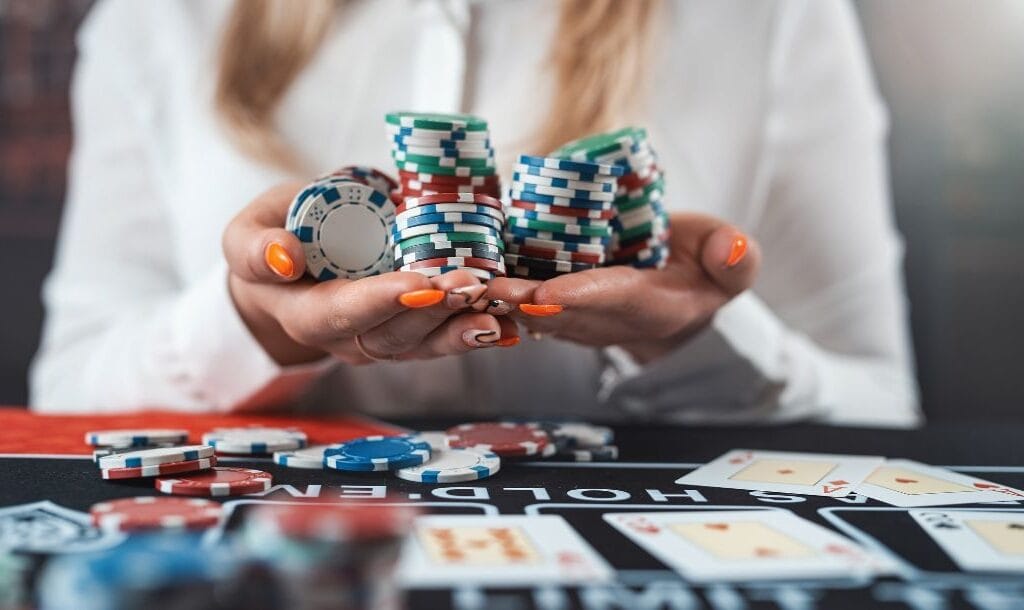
pixel 764 114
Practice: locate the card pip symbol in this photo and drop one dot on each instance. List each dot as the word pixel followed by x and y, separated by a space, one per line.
pixel 905 481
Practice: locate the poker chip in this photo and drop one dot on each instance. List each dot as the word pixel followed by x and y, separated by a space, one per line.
pixel 438 439
pixel 436 122
pixel 153 457
pixel 135 437
pixel 554 244
pixel 608 453
pixel 447 240
pixel 484 220
pixel 254 440
pixel 503 438
pixel 444 229
pixel 497 267
pixel 568 193
pixel 326 523
pixel 572 202
pixel 425 251
pixel 452 465
pixel 436 179
pixel 443 170
pixel 579 434
pixel 311 458
pixel 559 255
pixel 557 235
pixel 515 260
pixel 481 274
pixel 155 513
pixel 404 142
pixel 216 482
pixel 554 162
pixel 405 159
pixel 547 172
pixel 560 219
pixel 372 453
pixel 403 211
pixel 344 229
pixel 105 451
pixel 560 227
pixel 606 214
pixel 159 469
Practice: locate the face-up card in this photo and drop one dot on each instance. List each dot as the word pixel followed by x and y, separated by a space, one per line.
pixel 977 540
pixel 814 474
pixel 744 545
pixel 908 483
pixel 502 550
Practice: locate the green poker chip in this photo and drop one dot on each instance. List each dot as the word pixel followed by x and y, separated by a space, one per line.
pixel 426 168
pixel 599 145
pixel 454 236
pixel 402 156
pixel 443 122
pixel 558 227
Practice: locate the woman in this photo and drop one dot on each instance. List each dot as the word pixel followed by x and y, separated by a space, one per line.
pixel 196 123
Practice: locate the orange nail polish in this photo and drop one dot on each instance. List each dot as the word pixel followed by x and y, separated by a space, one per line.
pixel 421 298
pixel 541 311
pixel 278 260
pixel 737 252
pixel 508 341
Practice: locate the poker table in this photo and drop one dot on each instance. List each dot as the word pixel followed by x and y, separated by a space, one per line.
pixel 49 482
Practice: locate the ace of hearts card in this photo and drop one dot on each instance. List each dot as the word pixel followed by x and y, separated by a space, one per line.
pixel 813 474
pixel 501 550
pixel 911 484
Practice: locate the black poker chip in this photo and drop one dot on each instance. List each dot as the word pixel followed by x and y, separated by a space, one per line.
pixel 424 252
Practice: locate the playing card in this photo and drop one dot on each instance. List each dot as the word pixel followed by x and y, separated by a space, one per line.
pixel 815 474
pixel 508 549
pixel 742 545
pixel 908 483
pixel 991 541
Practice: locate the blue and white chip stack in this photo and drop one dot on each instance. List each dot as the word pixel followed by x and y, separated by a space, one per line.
pixel 343 220
pixel 641 225
pixel 560 216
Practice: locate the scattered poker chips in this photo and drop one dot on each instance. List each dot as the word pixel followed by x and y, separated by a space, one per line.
pixel 453 465
pixel 558 205
pixel 153 457
pixel 343 220
pixel 155 513
pixel 254 440
pixel 159 469
pixel 506 439
pixel 135 437
pixel 105 451
pixel 216 482
pixel 448 189
pixel 311 458
pixel 640 225
pixel 371 453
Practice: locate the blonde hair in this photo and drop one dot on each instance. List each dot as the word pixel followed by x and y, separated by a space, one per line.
pixel 600 53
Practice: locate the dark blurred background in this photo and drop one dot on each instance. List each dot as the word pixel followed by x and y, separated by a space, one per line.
pixel 952 73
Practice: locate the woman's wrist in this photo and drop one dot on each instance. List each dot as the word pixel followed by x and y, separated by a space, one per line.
pixel 266 329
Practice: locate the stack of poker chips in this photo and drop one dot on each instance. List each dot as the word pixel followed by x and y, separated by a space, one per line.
pixel 343 220
pixel 449 215
pixel 641 225
pixel 560 216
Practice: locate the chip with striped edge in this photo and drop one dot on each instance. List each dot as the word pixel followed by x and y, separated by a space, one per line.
pixel 255 440
pixel 152 457
pixel 159 469
pixel 155 513
pixel 504 438
pixel 374 453
pixel 135 437
pixel 217 482
pixel 453 465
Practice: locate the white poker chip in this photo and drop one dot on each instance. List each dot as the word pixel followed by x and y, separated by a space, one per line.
pixel 581 435
pixel 453 466
pixel 345 230
pixel 311 458
pixel 152 457
pixel 135 437
pixel 438 439
pixel 255 440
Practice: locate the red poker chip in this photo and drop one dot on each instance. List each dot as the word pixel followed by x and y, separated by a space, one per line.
pixel 443 179
pixel 565 211
pixel 639 179
pixel 505 439
pixel 155 513
pixel 333 522
pixel 562 255
pixel 495 267
pixel 217 482
pixel 159 469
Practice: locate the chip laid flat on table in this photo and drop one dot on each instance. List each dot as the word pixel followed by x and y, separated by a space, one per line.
pixel 152 457
pixel 154 513
pixel 311 458
pixel 135 437
pixel 504 438
pixel 378 453
pixel 217 481
pixel 159 469
pixel 254 440
pixel 453 466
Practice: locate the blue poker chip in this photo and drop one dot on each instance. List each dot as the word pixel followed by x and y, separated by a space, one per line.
pixel 568 193
pixel 444 208
pixel 443 228
pixel 546 172
pixel 576 239
pixel 574 166
pixel 406 141
pixel 452 217
pixel 372 453
pixel 567 202
pixel 569 220
pixel 564 183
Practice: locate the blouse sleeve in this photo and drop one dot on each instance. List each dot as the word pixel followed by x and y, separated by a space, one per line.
pixel 122 331
pixel 823 335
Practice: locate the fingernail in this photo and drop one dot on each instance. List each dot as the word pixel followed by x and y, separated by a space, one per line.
pixel 421 298
pixel 464 296
pixel 278 260
pixel 480 338
pixel 508 341
pixel 540 311
pixel 497 307
pixel 738 251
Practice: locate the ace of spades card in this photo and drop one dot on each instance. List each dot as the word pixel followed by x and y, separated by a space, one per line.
pixel 814 474
pixel 501 550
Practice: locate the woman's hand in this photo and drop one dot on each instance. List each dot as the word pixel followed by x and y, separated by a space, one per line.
pixel 394 315
pixel 648 312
